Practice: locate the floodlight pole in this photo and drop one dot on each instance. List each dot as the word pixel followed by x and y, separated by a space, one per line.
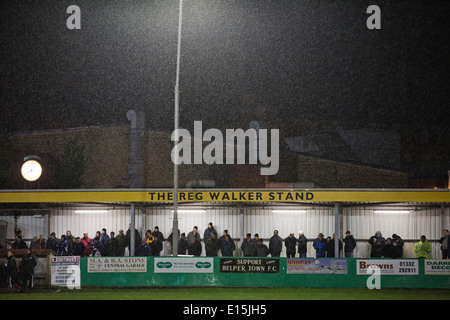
pixel 175 156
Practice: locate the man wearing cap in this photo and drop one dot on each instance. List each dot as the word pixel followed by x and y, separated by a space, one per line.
pixel 320 244
pixel 157 233
pixel 349 245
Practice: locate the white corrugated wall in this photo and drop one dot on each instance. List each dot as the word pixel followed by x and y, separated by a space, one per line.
pixel 65 218
pixel 29 225
pixel 362 221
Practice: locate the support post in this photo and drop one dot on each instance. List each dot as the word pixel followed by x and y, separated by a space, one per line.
pixel 242 224
pixel 132 230
pixel 337 227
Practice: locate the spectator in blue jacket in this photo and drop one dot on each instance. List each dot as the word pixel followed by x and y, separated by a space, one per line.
pixel 62 247
pixel 320 244
pixel 104 237
pixel 97 247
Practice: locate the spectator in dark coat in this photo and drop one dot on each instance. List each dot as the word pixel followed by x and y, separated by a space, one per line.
pixel 349 245
pixel 157 247
pixel 212 246
pixel 158 244
pixel 183 244
pixel 70 238
pixel 388 249
pixel 52 243
pixel 228 246
pixel 112 246
pixel 397 243
pixel 78 247
pixel 248 246
pixel 377 243
pixel 170 240
pixel 261 249
pixel 302 245
pixel 195 247
pixel 290 242
pixel 27 269
pixel 11 272
pixel 19 243
pixel 275 244
pixel 331 248
pixel 445 244
pixel 158 234
pixel 137 239
pixel 224 234
pixel 207 235
pixel 121 239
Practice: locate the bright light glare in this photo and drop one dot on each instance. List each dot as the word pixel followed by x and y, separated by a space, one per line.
pixel 392 211
pixel 288 211
pixel 190 211
pixel 91 211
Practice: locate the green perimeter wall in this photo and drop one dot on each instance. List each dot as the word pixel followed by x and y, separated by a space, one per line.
pixel 280 279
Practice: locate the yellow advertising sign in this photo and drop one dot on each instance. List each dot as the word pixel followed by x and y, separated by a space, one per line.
pixel 224 195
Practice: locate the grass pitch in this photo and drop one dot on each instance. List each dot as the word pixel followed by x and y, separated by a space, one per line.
pixel 229 294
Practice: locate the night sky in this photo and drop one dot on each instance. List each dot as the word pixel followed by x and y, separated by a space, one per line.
pixel 302 60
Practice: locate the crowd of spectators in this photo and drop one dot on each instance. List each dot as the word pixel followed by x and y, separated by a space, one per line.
pixel 104 244
pixel 20 276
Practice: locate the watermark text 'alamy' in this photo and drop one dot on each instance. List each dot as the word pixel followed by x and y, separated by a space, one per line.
pixel 213 153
